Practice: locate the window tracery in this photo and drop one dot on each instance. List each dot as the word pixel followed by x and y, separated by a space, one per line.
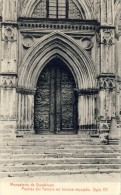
pixel 57 9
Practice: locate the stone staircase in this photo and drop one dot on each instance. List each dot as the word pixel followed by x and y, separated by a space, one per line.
pixel 37 155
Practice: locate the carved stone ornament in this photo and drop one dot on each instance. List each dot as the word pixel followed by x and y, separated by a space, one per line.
pixel 9 34
pixel 107 83
pixel 28 41
pixel 86 43
pixel 107 37
pixel 7 81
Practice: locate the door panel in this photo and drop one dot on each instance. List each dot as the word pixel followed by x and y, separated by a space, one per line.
pixel 55 103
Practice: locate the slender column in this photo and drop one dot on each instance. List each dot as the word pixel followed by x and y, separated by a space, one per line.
pixel 18 112
pixel 86 109
pixel 22 111
pixel 93 102
pixel 83 109
pixel 89 112
pixel 26 112
pixel 32 118
pixel 80 119
pixel 29 111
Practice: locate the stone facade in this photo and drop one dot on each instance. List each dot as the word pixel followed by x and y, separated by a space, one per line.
pixel 88 40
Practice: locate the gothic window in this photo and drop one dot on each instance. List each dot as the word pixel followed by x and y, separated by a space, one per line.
pixel 57 8
pixel 61 9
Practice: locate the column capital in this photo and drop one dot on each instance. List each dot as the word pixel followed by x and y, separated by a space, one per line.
pixel 88 91
pixel 26 91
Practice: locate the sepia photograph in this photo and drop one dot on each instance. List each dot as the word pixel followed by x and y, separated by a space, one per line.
pixel 60 97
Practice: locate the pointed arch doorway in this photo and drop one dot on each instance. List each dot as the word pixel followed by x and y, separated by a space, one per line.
pixel 55 103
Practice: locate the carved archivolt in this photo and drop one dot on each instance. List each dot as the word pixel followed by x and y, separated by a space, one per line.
pixel 67 49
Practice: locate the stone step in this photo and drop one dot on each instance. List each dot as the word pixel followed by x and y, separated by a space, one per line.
pixel 67 147
pixel 50 139
pixel 56 155
pixel 57 151
pixel 48 143
pixel 55 172
pixel 52 136
pixel 15 168
pixel 44 161
pixel 51 143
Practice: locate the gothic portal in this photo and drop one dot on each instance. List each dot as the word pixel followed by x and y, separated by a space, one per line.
pixel 60 67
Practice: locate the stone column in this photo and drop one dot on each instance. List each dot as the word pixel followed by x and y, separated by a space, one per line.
pixel 107 75
pixel 86 111
pixel 8 68
pixel 25 111
pixel 106 105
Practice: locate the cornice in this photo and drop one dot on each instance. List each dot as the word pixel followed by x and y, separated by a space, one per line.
pixel 69 24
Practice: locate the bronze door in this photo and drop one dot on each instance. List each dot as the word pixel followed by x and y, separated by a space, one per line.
pixel 55 101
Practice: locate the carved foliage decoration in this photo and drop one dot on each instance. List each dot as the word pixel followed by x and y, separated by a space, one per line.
pixel 8 81
pixel 107 83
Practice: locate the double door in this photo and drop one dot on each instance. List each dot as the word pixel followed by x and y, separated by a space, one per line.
pixel 55 100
